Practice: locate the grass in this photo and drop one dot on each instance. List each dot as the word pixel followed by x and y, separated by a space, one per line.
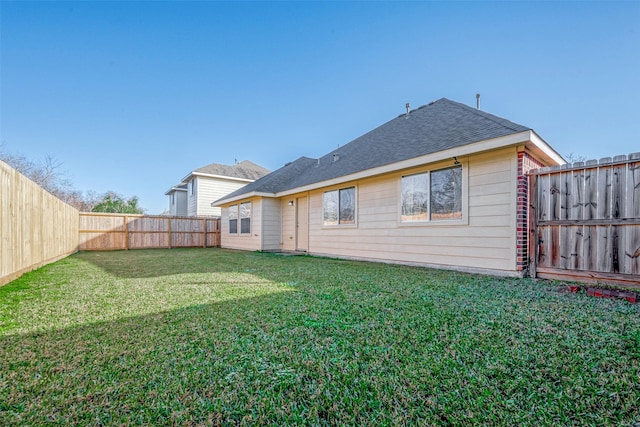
pixel 216 337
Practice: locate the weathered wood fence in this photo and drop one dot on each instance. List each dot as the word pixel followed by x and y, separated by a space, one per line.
pixel 99 232
pixel 36 228
pixel 585 221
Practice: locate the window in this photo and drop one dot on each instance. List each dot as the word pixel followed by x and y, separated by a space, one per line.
pixel 233 219
pixel 245 218
pixel 432 196
pixel 192 187
pixel 415 197
pixel 446 194
pixel 339 207
pixel 173 198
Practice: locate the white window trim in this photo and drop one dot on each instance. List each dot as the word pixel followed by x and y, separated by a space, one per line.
pixel 438 222
pixel 355 209
pixel 237 210
pixel 240 233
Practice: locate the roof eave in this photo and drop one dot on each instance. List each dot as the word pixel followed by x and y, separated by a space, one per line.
pixel 527 137
pixel 244 196
pixel 176 188
pixel 232 178
pixel 545 150
pixel 514 139
pixel 209 175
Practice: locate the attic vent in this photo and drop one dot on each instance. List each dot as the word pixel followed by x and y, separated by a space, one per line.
pixel 336 157
pixel 408 107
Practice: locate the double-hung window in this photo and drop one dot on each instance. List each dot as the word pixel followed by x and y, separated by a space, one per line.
pixel 233 219
pixel 245 218
pixel 432 196
pixel 241 212
pixel 339 207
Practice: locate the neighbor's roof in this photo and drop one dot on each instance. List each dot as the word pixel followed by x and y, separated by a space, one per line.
pixel 179 187
pixel 438 126
pixel 245 170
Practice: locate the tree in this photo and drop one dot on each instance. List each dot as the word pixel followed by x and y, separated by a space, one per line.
pixel 48 174
pixel 573 158
pixel 115 203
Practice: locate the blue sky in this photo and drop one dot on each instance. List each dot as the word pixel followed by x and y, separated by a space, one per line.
pixel 132 96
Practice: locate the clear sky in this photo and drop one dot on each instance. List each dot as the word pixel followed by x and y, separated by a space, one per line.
pixel 132 96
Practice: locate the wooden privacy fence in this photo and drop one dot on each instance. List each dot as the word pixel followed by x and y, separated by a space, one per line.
pixel 585 221
pixel 36 228
pixel 101 232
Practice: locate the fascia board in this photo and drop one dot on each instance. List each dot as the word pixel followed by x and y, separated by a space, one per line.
pixel 230 178
pixel 465 150
pixel 546 149
pixel 174 189
pixel 241 197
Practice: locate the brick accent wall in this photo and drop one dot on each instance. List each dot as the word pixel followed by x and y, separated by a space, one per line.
pixel 525 164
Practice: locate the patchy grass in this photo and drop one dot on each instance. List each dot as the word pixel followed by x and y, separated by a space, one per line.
pixel 207 337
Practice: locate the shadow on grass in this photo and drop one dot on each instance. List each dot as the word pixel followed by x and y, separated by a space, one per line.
pixel 353 344
pixel 199 364
pixel 146 263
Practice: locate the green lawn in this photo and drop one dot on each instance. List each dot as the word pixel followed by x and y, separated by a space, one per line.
pixel 216 337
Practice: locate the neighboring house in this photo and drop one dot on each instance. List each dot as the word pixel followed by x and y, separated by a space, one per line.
pixel 177 200
pixel 443 185
pixel 192 197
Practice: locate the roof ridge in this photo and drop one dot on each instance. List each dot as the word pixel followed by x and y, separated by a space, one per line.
pixel 488 116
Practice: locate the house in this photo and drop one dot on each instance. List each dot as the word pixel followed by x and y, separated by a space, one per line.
pixel 192 197
pixel 443 185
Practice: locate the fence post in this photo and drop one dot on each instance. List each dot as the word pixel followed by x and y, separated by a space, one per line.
pixel 126 232
pixel 204 232
pixel 169 228
pixel 532 222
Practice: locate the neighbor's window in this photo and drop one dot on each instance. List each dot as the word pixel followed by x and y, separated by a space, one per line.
pixel 233 219
pixel 434 195
pixel 192 187
pixel 245 218
pixel 339 206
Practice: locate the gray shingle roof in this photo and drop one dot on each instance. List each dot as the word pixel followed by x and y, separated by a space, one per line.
pixel 438 126
pixel 243 170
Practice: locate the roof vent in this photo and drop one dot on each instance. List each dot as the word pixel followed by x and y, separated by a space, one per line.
pixel 477 101
pixel 408 107
pixel 336 157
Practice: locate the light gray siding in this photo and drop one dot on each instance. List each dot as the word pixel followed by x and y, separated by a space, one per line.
pixel 178 203
pixel 210 189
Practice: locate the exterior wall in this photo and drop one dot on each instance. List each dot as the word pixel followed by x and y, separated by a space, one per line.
pixel 208 190
pixel 179 205
pixel 484 239
pixel 211 189
pixel 271 224
pixel 249 242
pixel 192 198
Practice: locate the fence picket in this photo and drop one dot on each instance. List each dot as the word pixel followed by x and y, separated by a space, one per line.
pixel 587 218
pixel 99 231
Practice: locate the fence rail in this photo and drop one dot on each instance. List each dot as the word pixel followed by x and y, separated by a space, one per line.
pixel 99 232
pixel 585 221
